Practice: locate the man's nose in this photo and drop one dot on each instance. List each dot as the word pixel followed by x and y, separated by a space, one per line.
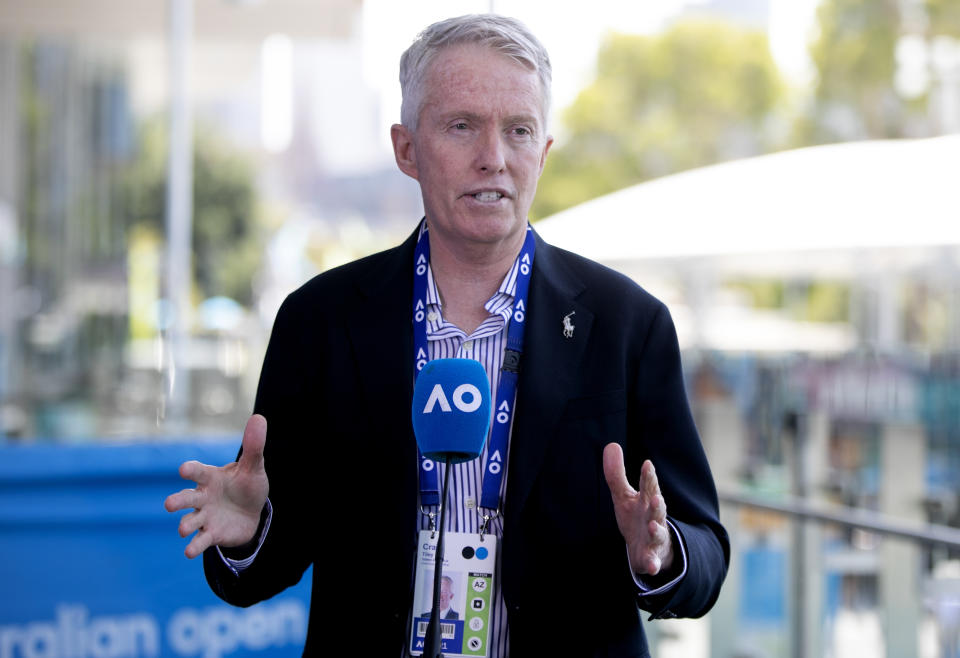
pixel 490 155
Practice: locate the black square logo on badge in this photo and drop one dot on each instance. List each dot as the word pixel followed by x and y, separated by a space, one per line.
pixel 477 603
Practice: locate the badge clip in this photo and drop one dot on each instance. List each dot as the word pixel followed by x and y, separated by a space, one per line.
pixel 433 520
pixel 485 525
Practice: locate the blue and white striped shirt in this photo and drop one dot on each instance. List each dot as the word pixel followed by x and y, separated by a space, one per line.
pixel 486 345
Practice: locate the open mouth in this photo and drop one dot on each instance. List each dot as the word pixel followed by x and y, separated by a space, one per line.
pixel 487 196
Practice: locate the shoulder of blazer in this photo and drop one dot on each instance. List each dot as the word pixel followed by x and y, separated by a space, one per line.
pixel 385 273
pixel 600 288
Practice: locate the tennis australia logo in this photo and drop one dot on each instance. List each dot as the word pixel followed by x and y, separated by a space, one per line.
pixel 439 398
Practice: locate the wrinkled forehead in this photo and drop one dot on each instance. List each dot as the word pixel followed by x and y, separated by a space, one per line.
pixel 474 73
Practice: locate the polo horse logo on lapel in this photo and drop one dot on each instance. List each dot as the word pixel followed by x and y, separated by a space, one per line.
pixel 568 326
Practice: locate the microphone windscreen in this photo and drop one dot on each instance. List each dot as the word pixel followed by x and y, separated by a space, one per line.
pixel 451 409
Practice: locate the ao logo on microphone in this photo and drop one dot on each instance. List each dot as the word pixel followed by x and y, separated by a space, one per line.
pixel 437 397
pixel 451 409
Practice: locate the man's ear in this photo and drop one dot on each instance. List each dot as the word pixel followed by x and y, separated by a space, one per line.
pixel 546 149
pixel 404 151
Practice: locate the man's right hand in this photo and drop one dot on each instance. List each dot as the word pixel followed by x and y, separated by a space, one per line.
pixel 228 499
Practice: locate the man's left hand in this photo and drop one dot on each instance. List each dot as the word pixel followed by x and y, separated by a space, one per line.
pixel 641 514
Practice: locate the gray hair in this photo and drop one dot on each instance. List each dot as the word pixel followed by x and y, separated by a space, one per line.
pixel 504 35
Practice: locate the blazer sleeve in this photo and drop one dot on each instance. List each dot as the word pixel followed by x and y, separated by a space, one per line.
pixel 283 388
pixel 666 434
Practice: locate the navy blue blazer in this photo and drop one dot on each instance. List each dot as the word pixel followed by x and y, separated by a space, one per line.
pixel 336 389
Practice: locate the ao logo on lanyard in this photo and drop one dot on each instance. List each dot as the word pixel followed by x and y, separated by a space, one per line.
pixel 506 390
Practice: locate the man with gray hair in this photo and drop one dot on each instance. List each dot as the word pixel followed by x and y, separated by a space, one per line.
pixel 585 373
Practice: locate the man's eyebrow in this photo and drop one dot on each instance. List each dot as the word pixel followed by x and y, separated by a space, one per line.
pixel 522 118
pixel 473 116
pixel 461 114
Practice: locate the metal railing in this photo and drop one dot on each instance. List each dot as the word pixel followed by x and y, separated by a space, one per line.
pixel 853 517
pixel 800 510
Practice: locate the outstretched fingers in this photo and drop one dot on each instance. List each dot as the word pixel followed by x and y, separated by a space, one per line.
pixel 225 506
pixel 194 470
pixel 616 473
pixel 183 499
pixel 200 542
pixel 650 486
pixel 641 513
pixel 191 522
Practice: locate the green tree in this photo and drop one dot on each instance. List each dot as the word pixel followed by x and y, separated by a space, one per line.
pixel 700 93
pixel 855 57
pixel 944 17
pixel 225 240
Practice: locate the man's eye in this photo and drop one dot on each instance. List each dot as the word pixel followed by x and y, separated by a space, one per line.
pixel 460 125
pixel 521 131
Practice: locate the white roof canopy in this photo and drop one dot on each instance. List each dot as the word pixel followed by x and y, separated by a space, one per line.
pixel 849 196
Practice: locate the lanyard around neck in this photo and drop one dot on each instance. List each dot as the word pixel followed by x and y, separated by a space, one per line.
pixel 505 400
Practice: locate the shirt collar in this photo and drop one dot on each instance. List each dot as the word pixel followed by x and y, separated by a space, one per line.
pixel 499 305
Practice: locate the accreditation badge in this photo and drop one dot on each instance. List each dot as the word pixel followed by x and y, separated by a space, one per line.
pixel 466 592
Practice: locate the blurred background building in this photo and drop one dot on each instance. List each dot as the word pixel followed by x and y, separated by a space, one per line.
pixel 780 172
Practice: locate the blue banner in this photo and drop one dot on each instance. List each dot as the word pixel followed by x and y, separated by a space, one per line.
pixel 91 565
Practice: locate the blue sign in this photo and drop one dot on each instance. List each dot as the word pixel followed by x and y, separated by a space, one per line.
pixel 91 565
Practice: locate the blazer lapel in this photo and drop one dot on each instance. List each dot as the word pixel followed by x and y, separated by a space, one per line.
pixel 548 371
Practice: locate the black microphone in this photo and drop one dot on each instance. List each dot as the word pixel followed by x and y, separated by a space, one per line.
pixel 451 418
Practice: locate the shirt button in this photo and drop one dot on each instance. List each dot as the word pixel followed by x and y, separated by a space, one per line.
pixel 432 316
pixel 468 345
pixel 469 502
